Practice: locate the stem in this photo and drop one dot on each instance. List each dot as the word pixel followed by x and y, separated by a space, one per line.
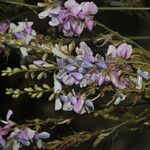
pixel 100 8
pixel 124 8
pixel 123 37
pixel 19 4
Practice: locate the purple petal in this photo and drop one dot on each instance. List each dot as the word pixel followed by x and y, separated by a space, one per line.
pixel 89 104
pixel 100 61
pixel 67 26
pixel 38 62
pixel 5 130
pixel 24 142
pixel 43 135
pixel 23 136
pixel 28 30
pixel 85 50
pixel 86 8
pixel 64 99
pixel 69 3
pixel 70 68
pixel 93 8
pixel 30 133
pixel 87 64
pixel 74 26
pixel 4 26
pixel 79 30
pixel 81 70
pixel 124 50
pixel 89 24
pixel 144 75
pixel 20 35
pixel 72 99
pixel 77 75
pixel 81 15
pixel 79 105
pixel 89 58
pixel 116 81
pixel 101 80
pixel 2 142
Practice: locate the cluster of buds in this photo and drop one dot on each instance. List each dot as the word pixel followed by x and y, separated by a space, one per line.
pixel 19 136
pixel 72 17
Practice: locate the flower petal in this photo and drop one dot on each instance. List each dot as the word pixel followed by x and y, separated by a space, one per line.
pixel 77 76
pixel 124 50
pixel 58 104
pixel 112 51
pixel 79 105
pixel 10 112
pixel 43 135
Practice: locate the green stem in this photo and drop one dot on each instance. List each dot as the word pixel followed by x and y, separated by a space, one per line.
pixel 19 4
pixel 124 8
pixel 123 38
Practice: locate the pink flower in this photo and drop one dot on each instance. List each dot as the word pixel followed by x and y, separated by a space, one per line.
pixel 124 51
pixel 4 26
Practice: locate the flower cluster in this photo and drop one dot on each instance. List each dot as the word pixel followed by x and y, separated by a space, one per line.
pixel 19 136
pixel 79 105
pixel 72 18
pixel 23 31
pixel 85 69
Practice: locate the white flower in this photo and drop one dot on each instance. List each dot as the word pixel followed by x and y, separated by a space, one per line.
pixel 119 99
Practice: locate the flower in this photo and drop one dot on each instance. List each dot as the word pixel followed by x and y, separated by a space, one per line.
pixel 6 129
pixel 71 18
pixel 85 69
pixel 23 31
pixel 124 51
pixel 79 105
pixel 4 26
pixel 119 99
pixel 26 136
pixel 145 75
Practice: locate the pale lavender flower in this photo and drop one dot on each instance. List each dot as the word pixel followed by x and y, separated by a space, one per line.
pixel 89 9
pixel 21 135
pixel 72 6
pixel 6 129
pixel 42 135
pixel 79 105
pixel 115 79
pixel 40 63
pixel 124 51
pixel 71 18
pixel 23 31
